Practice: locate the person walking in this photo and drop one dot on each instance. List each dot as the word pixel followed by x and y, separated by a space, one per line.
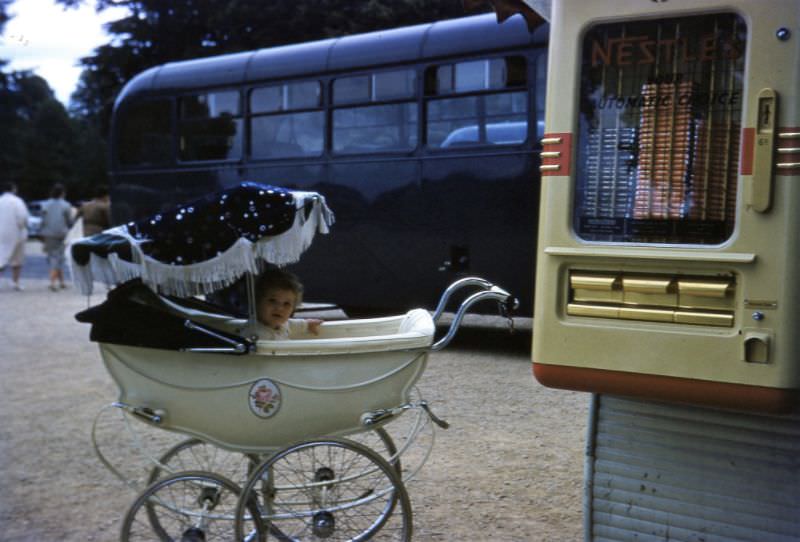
pixel 96 213
pixel 13 232
pixel 56 222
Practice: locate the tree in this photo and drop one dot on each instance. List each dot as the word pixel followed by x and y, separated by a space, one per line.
pixel 4 17
pixel 49 149
pixel 38 135
pixel 42 143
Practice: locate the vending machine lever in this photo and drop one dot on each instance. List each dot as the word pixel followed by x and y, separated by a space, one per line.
pixel 760 193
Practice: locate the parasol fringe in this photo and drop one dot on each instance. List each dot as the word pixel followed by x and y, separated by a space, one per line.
pixel 212 274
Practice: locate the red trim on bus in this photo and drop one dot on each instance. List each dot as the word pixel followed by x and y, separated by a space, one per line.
pixel 748 149
pixel 667 388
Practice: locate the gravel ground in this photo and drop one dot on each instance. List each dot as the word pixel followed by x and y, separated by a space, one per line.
pixel 508 469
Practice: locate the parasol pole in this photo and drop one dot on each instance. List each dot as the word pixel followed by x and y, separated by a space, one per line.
pixel 251 307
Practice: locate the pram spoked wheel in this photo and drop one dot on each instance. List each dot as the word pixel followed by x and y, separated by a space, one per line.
pixel 196 455
pixel 330 489
pixel 190 506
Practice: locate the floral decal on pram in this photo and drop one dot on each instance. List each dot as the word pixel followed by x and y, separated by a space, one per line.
pixel 265 398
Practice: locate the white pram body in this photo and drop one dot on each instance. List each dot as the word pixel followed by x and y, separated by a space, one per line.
pixel 320 385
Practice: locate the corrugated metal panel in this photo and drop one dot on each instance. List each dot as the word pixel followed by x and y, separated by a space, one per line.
pixel 660 472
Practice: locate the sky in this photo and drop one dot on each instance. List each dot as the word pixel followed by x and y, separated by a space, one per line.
pixel 49 40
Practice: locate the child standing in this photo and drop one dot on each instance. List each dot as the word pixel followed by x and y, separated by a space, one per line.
pixel 278 293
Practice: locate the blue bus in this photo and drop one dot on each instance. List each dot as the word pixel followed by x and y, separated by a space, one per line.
pixel 424 139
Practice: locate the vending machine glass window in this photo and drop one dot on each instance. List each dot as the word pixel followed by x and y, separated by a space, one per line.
pixel 658 140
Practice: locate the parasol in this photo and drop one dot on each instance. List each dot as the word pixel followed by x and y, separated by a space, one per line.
pixel 206 244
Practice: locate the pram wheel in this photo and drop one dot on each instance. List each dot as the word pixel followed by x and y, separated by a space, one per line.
pixel 380 441
pixel 190 506
pixel 196 455
pixel 331 489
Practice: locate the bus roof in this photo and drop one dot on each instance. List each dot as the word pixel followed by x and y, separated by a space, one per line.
pixel 480 33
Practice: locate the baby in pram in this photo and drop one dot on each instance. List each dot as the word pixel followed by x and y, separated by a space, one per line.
pixel 278 294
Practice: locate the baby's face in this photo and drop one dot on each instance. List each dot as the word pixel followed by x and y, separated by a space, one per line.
pixel 276 307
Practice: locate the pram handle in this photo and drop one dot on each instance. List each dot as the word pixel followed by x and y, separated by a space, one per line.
pixel 457 285
pixel 236 346
pixel 492 292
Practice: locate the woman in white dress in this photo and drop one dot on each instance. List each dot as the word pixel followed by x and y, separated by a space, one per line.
pixel 13 232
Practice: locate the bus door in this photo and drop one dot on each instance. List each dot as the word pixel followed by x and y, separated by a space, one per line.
pixel 667 265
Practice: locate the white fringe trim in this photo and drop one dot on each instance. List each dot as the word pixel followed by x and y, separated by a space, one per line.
pixel 210 275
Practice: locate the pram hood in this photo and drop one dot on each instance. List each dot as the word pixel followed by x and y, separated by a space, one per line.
pixel 206 244
pixel 134 315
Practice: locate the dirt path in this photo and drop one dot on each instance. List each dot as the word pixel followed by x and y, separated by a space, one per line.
pixel 508 469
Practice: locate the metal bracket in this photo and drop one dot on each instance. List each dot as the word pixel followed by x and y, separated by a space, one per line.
pixel 375 417
pixel 236 346
pixel 155 416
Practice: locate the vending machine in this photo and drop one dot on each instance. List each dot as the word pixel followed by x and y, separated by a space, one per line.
pixel 668 261
pixel 668 265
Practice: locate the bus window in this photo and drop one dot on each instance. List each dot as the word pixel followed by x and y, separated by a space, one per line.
pixel 376 87
pixel 210 126
pixel 394 85
pixel 388 127
pixel 288 135
pixel 476 75
pixel 375 128
pixel 658 135
pixel 508 107
pixel 144 133
pixel 348 90
pixel 496 117
pixel 541 93
pixel 277 134
pixel 506 133
pixel 288 97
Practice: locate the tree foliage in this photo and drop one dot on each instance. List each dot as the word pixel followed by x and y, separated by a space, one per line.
pixel 42 143
pixel 39 147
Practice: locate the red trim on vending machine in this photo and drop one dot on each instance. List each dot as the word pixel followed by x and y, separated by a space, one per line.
pixel 667 388
pixel 748 142
pixel 556 151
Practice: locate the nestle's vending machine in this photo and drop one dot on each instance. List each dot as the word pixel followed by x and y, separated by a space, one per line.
pixel 668 269
pixel 669 241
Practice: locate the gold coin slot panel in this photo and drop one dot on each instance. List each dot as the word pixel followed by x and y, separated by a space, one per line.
pixel 653 298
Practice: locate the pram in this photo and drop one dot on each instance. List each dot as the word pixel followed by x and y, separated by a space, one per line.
pixel 289 416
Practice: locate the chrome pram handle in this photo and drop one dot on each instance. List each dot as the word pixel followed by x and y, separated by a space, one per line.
pixel 458 285
pixel 236 347
pixel 505 300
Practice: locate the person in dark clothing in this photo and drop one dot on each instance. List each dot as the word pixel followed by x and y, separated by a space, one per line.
pixel 96 213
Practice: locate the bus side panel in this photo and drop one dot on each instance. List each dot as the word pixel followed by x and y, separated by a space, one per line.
pixel 373 257
pixel 485 207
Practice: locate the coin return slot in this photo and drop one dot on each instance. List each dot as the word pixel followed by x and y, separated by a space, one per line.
pixel 756 348
pixel 652 298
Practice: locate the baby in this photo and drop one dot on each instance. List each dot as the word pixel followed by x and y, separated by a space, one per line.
pixel 278 293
